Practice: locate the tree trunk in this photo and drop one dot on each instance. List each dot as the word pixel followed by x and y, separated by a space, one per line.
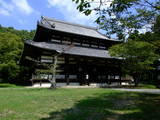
pixel 136 80
pixel 53 80
pixel 53 83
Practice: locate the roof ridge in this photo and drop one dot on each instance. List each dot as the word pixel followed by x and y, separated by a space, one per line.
pixel 70 23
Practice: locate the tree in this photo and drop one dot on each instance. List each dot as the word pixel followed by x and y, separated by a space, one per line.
pixel 11 69
pixel 10 50
pixel 50 68
pixel 121 17
pixel 54 65
pixel 140 51
pixel 23 34
pixel 137 57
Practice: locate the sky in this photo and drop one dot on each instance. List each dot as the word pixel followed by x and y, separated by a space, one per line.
pixel 24 14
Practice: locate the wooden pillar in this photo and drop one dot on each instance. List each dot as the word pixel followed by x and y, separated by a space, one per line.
pixel 106 74
pixel 120 82
pixel 120 76
pixel 79 71
pixel 66 70
pixel 32 82
pixel 106 81
pixel 67 78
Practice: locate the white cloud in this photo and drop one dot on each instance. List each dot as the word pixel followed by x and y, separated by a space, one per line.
pixel 70 13
pixel 96 3
pixel 5 8
pixel 5 5
pixel 23 6
pixel 4 12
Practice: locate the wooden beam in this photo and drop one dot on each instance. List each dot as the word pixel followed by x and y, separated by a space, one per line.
pixel 66 70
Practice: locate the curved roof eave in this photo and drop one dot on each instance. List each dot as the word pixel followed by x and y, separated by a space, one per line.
pixel 72 28
pixel 78 51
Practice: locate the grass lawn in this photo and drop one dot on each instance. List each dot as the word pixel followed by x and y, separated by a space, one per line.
pixel 6 85
pixel 77 104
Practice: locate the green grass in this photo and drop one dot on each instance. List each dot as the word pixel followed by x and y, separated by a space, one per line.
pixel 77 104
pixel 146 86
pixel 4 85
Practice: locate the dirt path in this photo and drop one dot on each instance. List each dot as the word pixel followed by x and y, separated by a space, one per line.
pixel 153 91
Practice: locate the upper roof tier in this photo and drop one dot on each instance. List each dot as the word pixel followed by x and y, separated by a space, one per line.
pixel 72 28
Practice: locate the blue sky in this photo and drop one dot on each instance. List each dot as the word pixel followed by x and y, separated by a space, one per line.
pixel 24 14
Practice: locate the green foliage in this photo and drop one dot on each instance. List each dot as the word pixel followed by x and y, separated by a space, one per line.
pixel 156 27
pixel 23 34
pixel 121 17
pixel 140 51
pixel 10 50
pixel 138 55
pixel 11 45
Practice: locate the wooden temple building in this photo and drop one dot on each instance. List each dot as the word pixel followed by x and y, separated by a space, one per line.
pixel 82 51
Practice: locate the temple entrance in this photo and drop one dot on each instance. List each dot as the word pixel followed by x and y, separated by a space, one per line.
pixel 83 75
pixel 87 74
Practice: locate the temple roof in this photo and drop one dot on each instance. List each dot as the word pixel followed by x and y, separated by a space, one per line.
pixel 72 28
pixel 71 50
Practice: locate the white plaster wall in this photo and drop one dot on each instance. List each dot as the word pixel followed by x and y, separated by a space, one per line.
pixel 74 84
pixel 61 84
pixel 47 85
pixel 42 85
pixel 57 84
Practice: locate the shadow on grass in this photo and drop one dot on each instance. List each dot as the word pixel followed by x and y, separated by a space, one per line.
pixel 112 106
pixel 140 86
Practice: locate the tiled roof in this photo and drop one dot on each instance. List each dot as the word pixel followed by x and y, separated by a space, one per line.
pixel 71 50
pixel 72 28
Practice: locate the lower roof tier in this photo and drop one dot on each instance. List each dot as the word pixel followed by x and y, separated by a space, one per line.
pixel 70 49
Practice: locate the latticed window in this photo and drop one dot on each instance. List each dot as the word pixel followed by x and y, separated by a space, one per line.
pixel 66 40
pixel 102 45
pixel 86 43
pixel 60 76
pixel 46 59
pixel 56 39
pixel 94 44
pixel 76 42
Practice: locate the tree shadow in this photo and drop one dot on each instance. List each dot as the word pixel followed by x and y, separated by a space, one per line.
pixel 112 106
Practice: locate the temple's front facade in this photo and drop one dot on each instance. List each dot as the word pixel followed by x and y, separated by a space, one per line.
pixel 82 54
